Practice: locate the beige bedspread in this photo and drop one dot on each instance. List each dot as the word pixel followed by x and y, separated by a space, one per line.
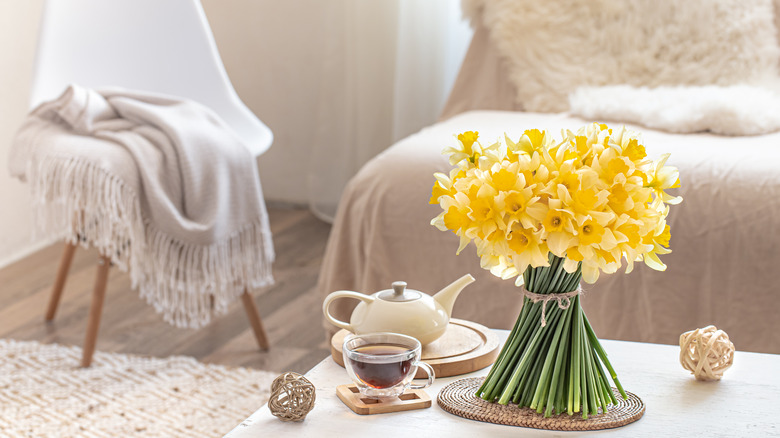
pixel 725 238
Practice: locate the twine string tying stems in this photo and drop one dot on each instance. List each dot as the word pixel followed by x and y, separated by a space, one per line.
pixel 563 299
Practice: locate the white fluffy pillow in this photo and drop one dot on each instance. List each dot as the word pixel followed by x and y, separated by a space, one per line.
pixel 734 110
pixel 555 46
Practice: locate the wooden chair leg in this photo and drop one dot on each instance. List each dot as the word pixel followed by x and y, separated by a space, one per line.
pixel 254 319
pixel 95 310
pixel 59 282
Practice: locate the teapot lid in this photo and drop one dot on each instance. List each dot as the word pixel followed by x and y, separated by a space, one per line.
pixel 399 293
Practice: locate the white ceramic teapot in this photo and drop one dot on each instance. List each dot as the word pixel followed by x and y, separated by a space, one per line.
pixel 400 310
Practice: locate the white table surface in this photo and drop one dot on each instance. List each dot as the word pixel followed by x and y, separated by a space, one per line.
pixel 745 403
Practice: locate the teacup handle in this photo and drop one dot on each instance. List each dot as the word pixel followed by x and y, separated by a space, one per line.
pixel 428 370
pixel 342 294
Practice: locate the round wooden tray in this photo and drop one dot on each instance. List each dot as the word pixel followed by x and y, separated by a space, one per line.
pixel 465 347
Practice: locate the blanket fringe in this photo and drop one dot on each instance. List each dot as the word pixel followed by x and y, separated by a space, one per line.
pixel 77 200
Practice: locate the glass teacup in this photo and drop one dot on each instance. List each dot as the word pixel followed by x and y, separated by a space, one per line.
pixel 382 365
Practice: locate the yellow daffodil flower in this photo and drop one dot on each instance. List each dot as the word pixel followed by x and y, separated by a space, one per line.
pixel 665 177
pixel 527 248
pixel 593 199
pixel 469 148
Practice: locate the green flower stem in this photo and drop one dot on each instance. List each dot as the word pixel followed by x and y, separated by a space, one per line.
pixel 556 391
pixel 508 363
pixel 593 402
pixel 574 397
pixel 560 401
pixel 525 333
pixel 525 392
pixel 544 381
pixel 598 374
pixel 556 368
pixel 544 275
pixel 536 371
pixel 529 281
pixel 552 274
pixel 584 387
pixel 530 377
pixel 558 279
pixel 505 355
pixel 603 377
pixel 527 377
pixel 525 362
pixel 570 377
pixel 603 355
pixel 574 280
pixel 542 386
pixel 605 398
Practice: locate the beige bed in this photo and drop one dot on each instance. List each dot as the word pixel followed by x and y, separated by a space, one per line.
pixel 725 235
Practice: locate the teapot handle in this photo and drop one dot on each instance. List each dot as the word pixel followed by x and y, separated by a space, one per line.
pixel 342 294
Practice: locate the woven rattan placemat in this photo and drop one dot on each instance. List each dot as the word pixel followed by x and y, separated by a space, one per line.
pixel 459 398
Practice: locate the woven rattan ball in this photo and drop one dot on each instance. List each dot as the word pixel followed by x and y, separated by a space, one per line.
pixel 706 352
pixel 292 397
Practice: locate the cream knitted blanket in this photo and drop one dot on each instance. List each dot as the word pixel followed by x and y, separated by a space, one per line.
pixel 160 185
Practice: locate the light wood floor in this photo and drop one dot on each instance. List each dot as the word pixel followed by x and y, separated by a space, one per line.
pixel 290 309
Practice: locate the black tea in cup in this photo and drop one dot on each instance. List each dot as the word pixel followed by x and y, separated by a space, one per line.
pixel 380 374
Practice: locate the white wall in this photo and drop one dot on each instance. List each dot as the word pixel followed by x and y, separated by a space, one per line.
pixel 274 52
pixel 266 47
pixel 251 36
pixel 337 81
pixel 18 30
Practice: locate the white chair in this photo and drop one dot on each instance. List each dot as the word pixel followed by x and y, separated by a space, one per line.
pixel 151 45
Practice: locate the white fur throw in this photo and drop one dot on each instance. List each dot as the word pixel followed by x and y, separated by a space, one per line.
pixel 555 46
pixel 734 110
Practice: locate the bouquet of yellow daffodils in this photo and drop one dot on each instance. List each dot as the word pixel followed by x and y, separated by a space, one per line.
pixel 552 212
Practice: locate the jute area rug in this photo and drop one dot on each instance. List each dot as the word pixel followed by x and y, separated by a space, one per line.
pixel 44 393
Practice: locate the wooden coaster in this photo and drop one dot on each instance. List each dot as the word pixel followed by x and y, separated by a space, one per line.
pixel 460 398
pixel 465 347
pixel 411 399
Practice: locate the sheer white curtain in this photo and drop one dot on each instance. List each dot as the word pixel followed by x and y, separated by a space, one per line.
pixel 389 67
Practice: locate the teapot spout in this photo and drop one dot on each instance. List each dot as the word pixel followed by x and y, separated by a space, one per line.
pixel 447 296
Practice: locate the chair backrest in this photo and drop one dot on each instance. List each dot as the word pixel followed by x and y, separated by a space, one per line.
pixel 152 45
